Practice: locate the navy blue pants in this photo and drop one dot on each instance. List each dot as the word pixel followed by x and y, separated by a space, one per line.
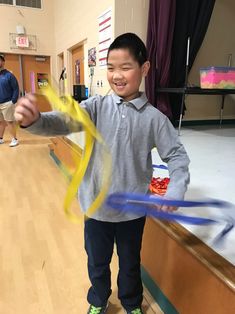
pixel 99 243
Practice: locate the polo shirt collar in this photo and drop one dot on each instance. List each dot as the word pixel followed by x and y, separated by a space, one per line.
pixel 137 102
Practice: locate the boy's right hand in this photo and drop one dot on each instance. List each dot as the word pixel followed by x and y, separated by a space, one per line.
pixel 26 111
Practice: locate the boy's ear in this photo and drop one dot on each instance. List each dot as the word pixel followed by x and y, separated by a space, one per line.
pixel 145 68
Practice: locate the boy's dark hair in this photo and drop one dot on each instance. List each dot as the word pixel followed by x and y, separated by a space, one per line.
pixel 133 43
pixel 2 58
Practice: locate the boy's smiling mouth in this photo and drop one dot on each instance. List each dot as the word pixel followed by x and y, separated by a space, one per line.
pixel 119 84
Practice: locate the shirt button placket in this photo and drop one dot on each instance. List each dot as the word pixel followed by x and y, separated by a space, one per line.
pixel 124 111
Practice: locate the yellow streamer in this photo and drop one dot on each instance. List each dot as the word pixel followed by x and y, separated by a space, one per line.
pixel 71 108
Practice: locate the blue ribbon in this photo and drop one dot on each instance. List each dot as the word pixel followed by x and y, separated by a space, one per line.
pixel 142 204
pixel 160 166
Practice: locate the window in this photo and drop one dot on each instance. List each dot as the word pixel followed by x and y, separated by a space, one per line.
pixel 29 3
pixel 6 2
pixel 24 3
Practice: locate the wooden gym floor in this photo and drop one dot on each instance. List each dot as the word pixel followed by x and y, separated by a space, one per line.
pixel 42 259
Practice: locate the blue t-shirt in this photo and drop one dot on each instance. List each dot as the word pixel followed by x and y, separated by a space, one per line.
pixel 9 88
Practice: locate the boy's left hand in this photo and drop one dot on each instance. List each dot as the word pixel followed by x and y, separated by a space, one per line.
pixel 168 209
pixel 165 208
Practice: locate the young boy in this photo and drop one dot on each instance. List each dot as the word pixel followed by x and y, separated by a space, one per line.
pixel 131 127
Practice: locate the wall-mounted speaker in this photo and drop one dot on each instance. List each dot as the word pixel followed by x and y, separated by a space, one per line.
pixel 20 30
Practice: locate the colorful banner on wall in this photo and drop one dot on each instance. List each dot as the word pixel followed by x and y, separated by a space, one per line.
pixel 105 35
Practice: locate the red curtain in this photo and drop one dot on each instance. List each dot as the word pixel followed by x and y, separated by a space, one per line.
pixel 161 21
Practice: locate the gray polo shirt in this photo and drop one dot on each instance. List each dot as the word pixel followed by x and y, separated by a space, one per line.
pixel 131 130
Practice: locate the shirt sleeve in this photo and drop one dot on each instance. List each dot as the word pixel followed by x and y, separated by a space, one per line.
pixel 172 151
pixel 55 123
pixel 90 105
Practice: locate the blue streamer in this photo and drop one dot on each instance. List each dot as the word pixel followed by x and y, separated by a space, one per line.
pixel 147 205
pixel 160 167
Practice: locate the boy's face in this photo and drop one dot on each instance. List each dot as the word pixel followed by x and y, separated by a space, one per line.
pixel 124 73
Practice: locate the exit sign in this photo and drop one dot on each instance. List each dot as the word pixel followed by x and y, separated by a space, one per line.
pixel 22 41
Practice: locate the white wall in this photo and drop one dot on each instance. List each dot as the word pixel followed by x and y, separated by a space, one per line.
pixel 132 16
pixel 77 22
pixel 39 22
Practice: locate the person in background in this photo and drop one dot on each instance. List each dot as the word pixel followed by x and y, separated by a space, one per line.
pixel 9 93
pixel 131 127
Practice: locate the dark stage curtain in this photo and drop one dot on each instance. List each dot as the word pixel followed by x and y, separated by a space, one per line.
pixel 192 19
pixel 161 22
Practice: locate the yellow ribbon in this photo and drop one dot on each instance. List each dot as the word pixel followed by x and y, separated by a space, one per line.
pixel 71 108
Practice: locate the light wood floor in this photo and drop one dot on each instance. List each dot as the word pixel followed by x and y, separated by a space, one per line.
pixel 42 260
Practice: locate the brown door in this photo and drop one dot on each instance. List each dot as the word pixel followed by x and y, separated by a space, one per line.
pixel 30 72
pixel 78 65
pixel 35 70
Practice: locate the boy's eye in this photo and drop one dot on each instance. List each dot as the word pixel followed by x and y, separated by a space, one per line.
pixel 110 69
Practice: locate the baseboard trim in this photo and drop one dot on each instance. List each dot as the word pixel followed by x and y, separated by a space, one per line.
pixel 205 122
pixel 164 303
pixel 61 166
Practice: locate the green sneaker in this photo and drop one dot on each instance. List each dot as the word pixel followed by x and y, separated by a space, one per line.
pixel 97 310
pixel 138 310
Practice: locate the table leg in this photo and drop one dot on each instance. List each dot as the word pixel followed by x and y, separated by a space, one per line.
pixel 221 110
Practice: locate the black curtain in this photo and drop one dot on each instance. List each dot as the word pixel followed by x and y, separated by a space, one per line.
pixel 191 20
